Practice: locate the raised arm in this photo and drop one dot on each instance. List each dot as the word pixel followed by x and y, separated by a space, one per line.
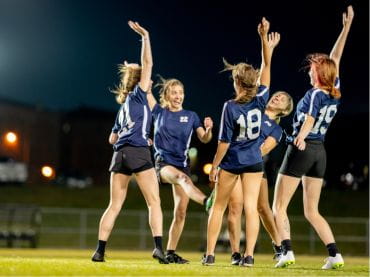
pixel 268 43
pixel 337 51
pixel 146 56
pixel 150 97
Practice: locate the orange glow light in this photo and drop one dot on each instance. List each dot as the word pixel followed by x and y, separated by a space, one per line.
pixel 11 137
pixel 207 168
pixel 47 171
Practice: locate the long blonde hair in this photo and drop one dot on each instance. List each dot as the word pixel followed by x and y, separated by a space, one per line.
pixel 165 85
pixel 246 76
pixel 129 78
pixel 289 108
pixel 326 72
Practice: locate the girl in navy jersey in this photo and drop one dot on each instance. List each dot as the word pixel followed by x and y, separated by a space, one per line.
pixel 280 105
pixel 131 149
pixel 238 151
pixel 305 158
pixel 173 129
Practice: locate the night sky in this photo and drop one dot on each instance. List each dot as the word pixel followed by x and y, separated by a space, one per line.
pixel 61 54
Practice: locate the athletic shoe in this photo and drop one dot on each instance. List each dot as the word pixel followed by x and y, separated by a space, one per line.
pixel 209 202
pixel 209 260
pixel 98 257
pixel 158 254
pixel 247 261
pixel 235 258
pixel 333 262
pixel 286 259
pixel 277 252
pixel 173 258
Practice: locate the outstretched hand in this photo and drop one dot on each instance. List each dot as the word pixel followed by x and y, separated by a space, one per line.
pixel 263 27
pixel 348 17
pixel 138 29
pixel 273 39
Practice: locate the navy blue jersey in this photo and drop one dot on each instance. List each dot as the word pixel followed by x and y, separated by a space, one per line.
pixel 241 127
pixel 172 134
pixel 320 106
pixel 269 128
pixel 133 120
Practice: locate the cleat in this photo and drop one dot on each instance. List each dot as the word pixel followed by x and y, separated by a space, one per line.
pixel 209 202
pixel 158 254
pixel 98 257
pixel 333 262
pixel 176 259
pixel 278 252
pixel 235 258
pixel 286 260
pixel 247 261
pixel 208 260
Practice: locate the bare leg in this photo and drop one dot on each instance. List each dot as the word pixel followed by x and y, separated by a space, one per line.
pixel 284 191
pixel 234 217
pixel 148 183
pixel 181 201
pixel 118 191
pixel 172 175
pixel 265 213
pixel 223 190
pixel 251 187
pixel 311 198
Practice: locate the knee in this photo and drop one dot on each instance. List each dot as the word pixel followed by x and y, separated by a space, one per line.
pixel 153 201
pixel 235 212
pixel 180 214
pixel 311 214
pixel 263 209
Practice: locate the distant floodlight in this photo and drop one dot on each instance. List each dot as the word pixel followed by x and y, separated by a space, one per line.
pixel 47 171
pixel 193 152
pixel 207 168
pixel 11 137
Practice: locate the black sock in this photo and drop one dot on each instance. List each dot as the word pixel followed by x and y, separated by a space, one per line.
pixel 287 245
pixel 101 246
pixel 278 249
pixel 158 242
pixel 169 252
pixel 332 249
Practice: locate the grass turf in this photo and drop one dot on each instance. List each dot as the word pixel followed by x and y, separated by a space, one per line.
pixel 56 262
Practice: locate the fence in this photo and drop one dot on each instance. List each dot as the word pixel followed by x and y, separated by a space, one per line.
pixel 78 228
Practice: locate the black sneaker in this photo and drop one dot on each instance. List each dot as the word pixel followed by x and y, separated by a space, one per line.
pixel 247 261
pixel 278 251
pixel 235 258
pixel 158 254
pixel 209 260
pixel 98 257
pixel 173 258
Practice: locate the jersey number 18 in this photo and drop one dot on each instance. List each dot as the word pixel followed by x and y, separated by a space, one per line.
pixel 249 129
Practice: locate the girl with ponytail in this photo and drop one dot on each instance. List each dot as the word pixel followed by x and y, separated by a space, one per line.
pixel 305 158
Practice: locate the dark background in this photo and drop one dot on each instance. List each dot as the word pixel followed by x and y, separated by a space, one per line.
pixel 62 56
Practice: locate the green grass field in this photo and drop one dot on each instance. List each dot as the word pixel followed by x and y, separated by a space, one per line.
pixel 56 262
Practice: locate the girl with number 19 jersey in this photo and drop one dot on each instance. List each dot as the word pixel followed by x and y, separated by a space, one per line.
pixel 305 158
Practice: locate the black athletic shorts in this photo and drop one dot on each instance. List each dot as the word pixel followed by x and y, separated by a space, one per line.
pixel 310 162
pixel 131 159
pixel 254 168
pixel 160 163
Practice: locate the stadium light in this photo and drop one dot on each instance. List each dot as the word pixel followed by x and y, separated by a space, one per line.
pixel 207 168
pixel 11 137
pixel 48 172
